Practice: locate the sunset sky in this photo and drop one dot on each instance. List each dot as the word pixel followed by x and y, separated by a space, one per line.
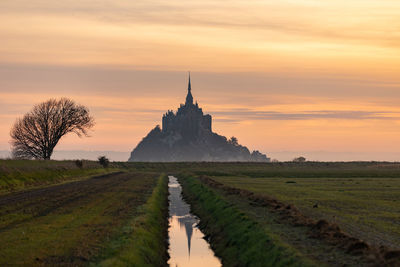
pixel 307 76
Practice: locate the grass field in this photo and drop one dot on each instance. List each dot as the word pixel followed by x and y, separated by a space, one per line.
pixel 365 207
pixel 16 175
pixel 360 197
pixel 143 241
pixel 73 223
pixel 53 212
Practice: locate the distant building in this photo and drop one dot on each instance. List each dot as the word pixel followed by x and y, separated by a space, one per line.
pixel 189 120
pixel 187 136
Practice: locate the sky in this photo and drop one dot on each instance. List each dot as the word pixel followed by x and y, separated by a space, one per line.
pixel 304 77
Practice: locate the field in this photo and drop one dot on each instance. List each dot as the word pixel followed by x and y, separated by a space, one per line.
pixel 254 214
pixel 368 208
pixel 80 220
pixel 363 198
pixel 16 175
pixel 330 213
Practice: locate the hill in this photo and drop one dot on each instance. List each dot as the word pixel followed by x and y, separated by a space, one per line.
pixel 187 136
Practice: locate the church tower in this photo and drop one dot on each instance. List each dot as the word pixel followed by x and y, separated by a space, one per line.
pixel 189 97
pixel 186 135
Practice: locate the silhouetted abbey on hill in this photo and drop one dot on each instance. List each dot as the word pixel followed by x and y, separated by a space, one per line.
pixel 187 136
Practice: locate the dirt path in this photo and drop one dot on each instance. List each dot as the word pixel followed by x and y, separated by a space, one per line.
pixel 69 224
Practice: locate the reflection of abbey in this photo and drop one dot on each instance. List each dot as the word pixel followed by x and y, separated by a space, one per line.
pixel 189 118
pixel 187 136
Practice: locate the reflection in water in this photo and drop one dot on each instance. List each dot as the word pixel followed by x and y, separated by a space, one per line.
pixel 187 245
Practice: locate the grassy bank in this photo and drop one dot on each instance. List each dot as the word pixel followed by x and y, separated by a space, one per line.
pixel 144 240
pixel 235 238
pixel 16 175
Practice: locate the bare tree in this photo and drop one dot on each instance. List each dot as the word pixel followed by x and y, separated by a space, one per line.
pixel 38 132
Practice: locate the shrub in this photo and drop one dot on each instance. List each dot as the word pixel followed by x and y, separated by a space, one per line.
pixel 79 163
pixel 104 161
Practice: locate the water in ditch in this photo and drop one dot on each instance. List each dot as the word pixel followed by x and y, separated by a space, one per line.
pixel 187 246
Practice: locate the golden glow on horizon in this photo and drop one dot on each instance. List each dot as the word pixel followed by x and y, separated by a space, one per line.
pixel 115 115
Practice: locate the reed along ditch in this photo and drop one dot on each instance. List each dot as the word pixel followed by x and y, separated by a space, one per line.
pixel 235 238
pixel 187 245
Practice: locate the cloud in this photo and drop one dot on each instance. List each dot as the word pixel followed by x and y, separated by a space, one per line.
pixel 248 114
pixel 232 87
pixel 302 19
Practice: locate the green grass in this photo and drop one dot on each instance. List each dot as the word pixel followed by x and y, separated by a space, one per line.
pixel 81 229
pixel 237 239
pixel 362 197
pixel 144 239
pixel 125 223
pixel 365 207
pixel 16 175
pixel 300 170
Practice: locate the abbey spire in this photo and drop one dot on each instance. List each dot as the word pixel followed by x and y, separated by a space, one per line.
pixel 189 97
pixel 186 135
